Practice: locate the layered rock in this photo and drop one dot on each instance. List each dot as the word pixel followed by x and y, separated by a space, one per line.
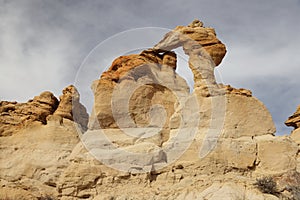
pixel 126 93
pixel 202 36
pixel 17 116
pixel 33 160
pixel 228 111
pixel 202 59
pixel 122 65
pixel 39 136
pixel 70 108
pixel 195 39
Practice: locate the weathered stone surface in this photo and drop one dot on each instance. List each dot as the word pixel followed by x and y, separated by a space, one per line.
pixel 136 154
pixel 127 93
pixel 227 191
pixel 295 135
pixel 70 108
pixel 234 112
pixel 294 120
pixel 169 183
pixel 123 64
pixel 205 37
pixel 238 153
pixel 34 158
pixel 276 154
pixel 132 69
pixel 246 116
pixel 193 39
pixel 232 115
pixel 15 193
pixel 71 172
pixel 101 116
pixel 78 180
pixel 16 116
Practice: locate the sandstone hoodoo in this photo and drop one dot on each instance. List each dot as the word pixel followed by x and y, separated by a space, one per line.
pixel 17 116
pixel 70 108
pixel 152 74
pixel 148 132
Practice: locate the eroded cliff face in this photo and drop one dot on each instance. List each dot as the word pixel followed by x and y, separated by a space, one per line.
pixel 17 116
pixel 148 133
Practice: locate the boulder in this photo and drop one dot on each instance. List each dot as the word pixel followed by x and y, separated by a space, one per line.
pixel 246 116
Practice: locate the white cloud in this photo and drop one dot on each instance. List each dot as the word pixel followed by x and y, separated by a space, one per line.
pixel 33 59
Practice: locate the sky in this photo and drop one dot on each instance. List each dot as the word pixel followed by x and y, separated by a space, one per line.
pixel 48 45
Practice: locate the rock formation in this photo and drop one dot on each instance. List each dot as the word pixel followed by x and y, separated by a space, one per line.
pixel 205 51
pixel 148 133
pixel 33 159
pixel 70 108
pixel 294 121
pixel 17 116
pixel 194 34
pixel 141 81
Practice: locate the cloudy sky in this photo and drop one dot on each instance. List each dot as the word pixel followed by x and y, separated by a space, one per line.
pixel 44 45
